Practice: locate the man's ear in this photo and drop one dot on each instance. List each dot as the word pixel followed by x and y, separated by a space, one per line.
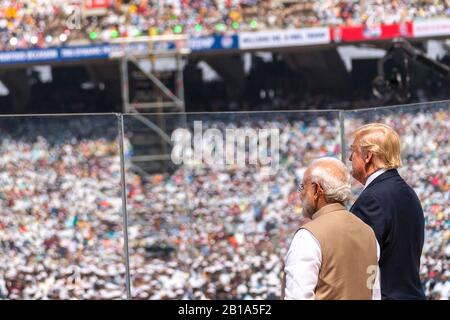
pixel 368 158
pixel 317 189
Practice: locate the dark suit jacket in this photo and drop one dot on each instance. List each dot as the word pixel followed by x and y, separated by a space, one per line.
pixel 393 210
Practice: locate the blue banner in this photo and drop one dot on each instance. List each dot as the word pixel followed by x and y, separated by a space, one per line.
pixel 214 43
pixel 103 51
pixel 26 56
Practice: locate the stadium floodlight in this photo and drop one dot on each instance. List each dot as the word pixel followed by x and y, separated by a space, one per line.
pixel 220 27
pixel 198 27
pixel 178 29
pixel 33 39
pixel 13 41
pixel 114 33
pixel 63 37
pixel 135 32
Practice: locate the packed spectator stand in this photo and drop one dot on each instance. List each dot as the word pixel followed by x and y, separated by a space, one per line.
pixel 47 23
pixel 200 232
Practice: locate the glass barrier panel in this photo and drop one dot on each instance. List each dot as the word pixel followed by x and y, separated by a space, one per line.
pixel 246 209
pixel 157 207
pixel 424 131
pixel 216 220
pixel 60 198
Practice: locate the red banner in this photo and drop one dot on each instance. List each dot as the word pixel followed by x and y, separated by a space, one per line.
pixel 373 32
pixel 96 4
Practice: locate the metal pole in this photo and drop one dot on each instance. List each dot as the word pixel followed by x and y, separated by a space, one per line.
pixel 151 125
pixel 180 81
pixel 124 205
pixel 157 82
pixel 125 83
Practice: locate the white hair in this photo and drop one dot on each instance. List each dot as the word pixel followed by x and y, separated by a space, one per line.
pixel 334 178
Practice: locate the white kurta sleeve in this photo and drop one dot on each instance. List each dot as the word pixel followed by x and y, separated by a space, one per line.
pixel 302 265
pixel 376 290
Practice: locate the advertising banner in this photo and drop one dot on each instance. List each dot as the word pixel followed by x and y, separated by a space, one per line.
pixel 213 43
pixel 431 28
pixel 283 38
pixel 370 32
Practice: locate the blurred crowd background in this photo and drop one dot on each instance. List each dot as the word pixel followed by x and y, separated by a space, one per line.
pixel 197 232
pixel 44 23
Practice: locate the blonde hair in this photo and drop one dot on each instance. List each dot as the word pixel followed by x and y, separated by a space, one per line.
pixel 383 142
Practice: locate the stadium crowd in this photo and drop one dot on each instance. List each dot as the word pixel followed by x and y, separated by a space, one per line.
pixel 199 232
pixel 45 23
pixel 61 232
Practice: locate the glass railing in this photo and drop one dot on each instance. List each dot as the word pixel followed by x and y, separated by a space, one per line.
pixel 61 224
pixel 210 200
pixel 424 131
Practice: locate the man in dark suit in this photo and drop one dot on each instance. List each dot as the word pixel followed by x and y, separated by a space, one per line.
pixel 391 207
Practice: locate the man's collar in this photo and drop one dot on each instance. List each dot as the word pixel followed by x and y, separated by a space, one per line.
pixel 373 176
pixel 327 209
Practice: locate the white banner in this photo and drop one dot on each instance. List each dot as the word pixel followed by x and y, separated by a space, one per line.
pixel 283 38
pixel 430 28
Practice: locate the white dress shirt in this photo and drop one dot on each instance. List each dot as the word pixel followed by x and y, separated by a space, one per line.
pixel 302 266
pixel 373 176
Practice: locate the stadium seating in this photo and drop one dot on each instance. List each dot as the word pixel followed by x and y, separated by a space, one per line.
pixel 45 23
pixel 200 231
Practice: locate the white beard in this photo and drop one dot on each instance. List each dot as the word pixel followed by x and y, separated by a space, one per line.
pixel 308 208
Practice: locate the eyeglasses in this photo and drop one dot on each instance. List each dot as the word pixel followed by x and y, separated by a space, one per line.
pixel 301 186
